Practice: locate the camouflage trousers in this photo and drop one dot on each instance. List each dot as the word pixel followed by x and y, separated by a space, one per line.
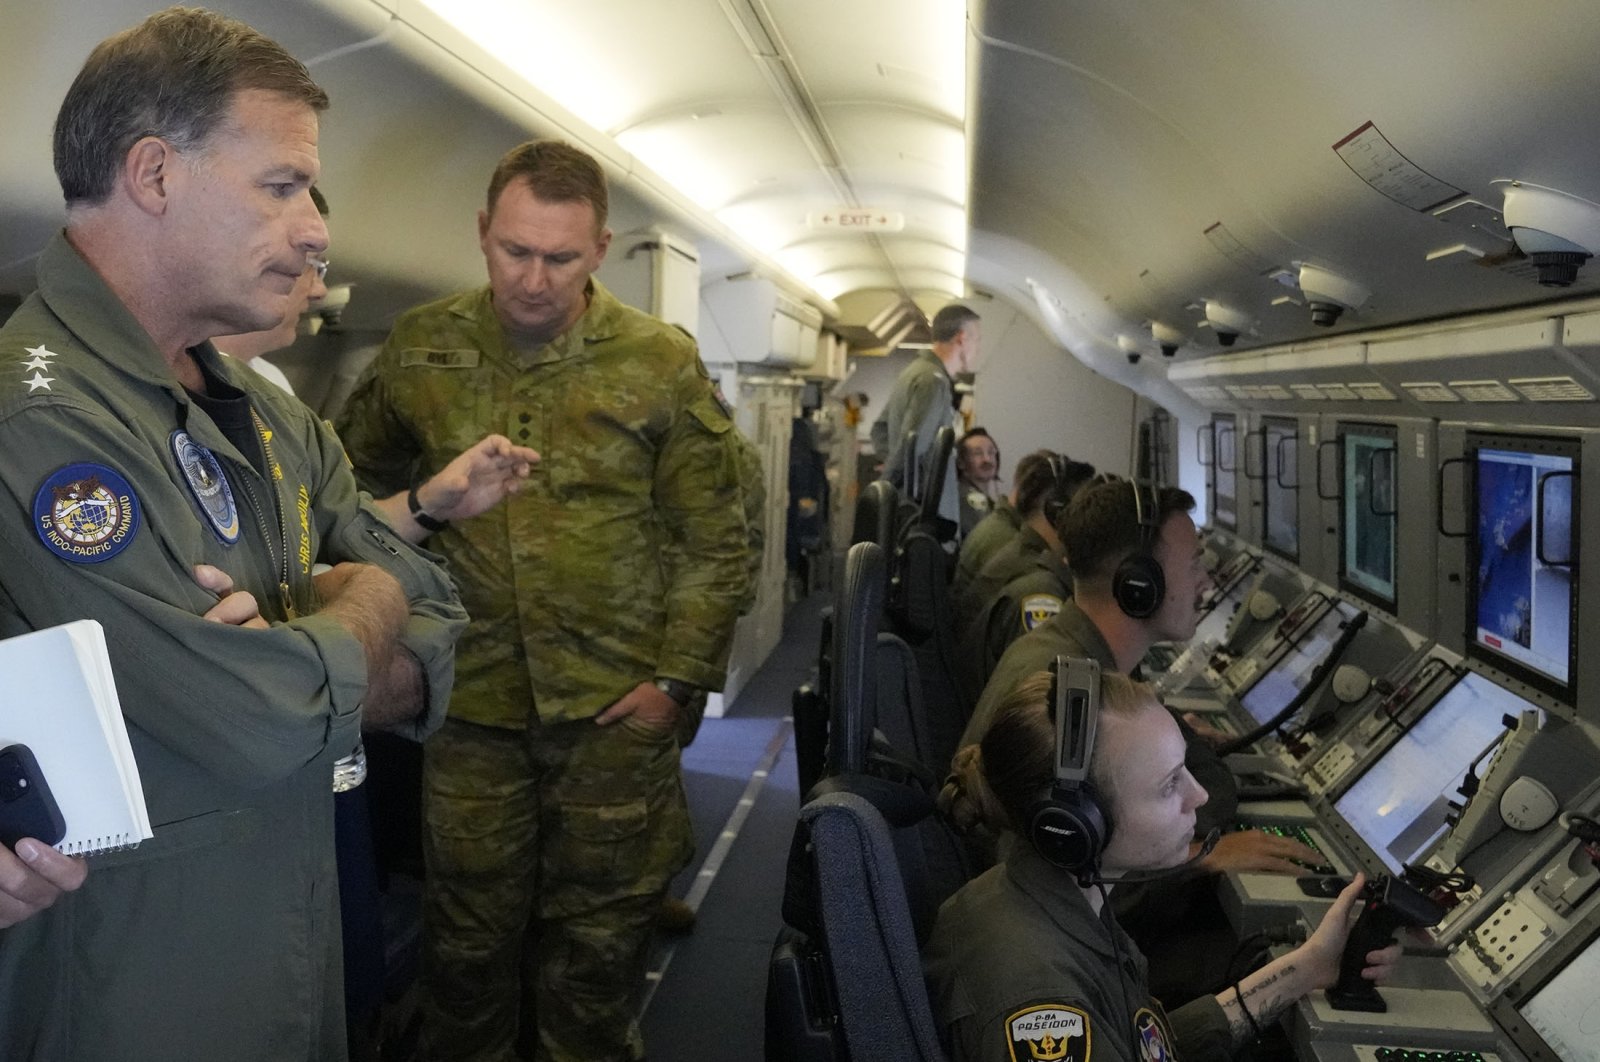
pixel 548 852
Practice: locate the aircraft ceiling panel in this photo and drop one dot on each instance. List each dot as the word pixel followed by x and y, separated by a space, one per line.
pixel 919 154
pixel 610 62
pixel 1143 138
pixel 897 53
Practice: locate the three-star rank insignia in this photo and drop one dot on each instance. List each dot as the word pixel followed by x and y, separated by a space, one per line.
pixel 1048 1032
pixel 86 513
pixel 38 362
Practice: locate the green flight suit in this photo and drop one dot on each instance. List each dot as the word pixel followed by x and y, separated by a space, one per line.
pixel 1022 586
pixel 1020 966
pixel 622 559
pixel 1175 919
pixel 219 937
pixel 992 532
pixel 922 401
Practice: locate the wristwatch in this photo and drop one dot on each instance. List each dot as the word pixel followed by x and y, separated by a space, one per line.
pixel 681 692
pixel 426 522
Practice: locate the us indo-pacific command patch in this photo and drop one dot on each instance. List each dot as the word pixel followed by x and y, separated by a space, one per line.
pixel 86 513
pixel 203 472
pixel 1048 1032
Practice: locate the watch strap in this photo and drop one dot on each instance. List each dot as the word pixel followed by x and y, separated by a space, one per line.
pixel 426 522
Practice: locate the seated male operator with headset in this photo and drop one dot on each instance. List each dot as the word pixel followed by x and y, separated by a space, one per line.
pixel 1027 960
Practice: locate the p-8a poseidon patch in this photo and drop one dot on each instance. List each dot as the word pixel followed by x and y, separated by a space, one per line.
pixel 1048 1032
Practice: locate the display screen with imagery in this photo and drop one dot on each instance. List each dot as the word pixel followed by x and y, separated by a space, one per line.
pixel 1522 608
pixel 1368 503
pixel 1399 805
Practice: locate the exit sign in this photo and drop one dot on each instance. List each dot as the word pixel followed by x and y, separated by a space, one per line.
pixel 857 219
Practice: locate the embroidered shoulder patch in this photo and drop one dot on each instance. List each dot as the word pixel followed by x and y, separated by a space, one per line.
pixel 1036 608
pixel 1150 1033
pixel 1048 1032
pixel 439 359
pixel 86 513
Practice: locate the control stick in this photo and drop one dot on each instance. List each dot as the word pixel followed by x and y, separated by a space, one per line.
pixel 1390 904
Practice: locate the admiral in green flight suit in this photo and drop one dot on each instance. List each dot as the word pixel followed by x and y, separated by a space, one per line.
pixel 152 486
pixel 220 936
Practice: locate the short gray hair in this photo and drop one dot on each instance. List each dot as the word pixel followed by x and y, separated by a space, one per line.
pixel 173 76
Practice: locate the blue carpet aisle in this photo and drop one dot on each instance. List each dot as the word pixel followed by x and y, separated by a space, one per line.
pixel 707 992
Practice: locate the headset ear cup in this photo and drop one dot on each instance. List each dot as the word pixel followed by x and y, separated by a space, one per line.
pixel 1069 829
pixel 1139 585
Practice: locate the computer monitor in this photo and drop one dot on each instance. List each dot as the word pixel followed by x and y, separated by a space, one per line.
pixel 1281 512
pixel 1565 1010
pixel 1278 685
pixel 1522 608
pixel 1398 805
pixel 1224 471
pixel 1368 505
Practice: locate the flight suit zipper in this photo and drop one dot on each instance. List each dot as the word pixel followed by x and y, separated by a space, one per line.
pixel 287 598
pixel 278 557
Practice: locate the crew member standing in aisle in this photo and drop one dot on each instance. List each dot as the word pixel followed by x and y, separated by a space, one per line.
pixel 923 401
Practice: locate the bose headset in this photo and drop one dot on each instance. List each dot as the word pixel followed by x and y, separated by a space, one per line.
pixel 1054 498
pixel 1139 585
pixel 1070 827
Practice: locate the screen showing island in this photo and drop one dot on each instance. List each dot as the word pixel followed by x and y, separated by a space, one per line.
pixel 1524 559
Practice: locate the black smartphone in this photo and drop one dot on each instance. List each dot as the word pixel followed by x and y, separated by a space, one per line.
pixel 27 808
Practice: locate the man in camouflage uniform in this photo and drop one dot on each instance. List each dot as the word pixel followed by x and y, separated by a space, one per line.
pixel 603 596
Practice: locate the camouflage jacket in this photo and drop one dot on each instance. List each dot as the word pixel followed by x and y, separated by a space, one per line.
pixel 624 556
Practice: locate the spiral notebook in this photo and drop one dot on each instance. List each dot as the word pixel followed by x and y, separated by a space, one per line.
pixel 57 696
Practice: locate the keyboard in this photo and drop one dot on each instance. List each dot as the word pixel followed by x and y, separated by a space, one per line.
pixel 1296 832
pixel 1423 1054
pixel 1293 831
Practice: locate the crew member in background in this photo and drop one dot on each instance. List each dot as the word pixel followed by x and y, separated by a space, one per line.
pixel 603 597
pixel 309 291
pixel 977 477
pixel 180 501
pixel 498 468
pixel 1027 580
pixel 923 401
pixel 993 531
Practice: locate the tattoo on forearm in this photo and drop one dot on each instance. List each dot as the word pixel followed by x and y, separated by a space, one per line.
pixel 1266 1000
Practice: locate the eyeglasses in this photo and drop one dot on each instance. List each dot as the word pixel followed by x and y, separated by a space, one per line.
pixel 319 264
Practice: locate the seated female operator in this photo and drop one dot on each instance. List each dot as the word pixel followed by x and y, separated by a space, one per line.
pixel 1027 962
